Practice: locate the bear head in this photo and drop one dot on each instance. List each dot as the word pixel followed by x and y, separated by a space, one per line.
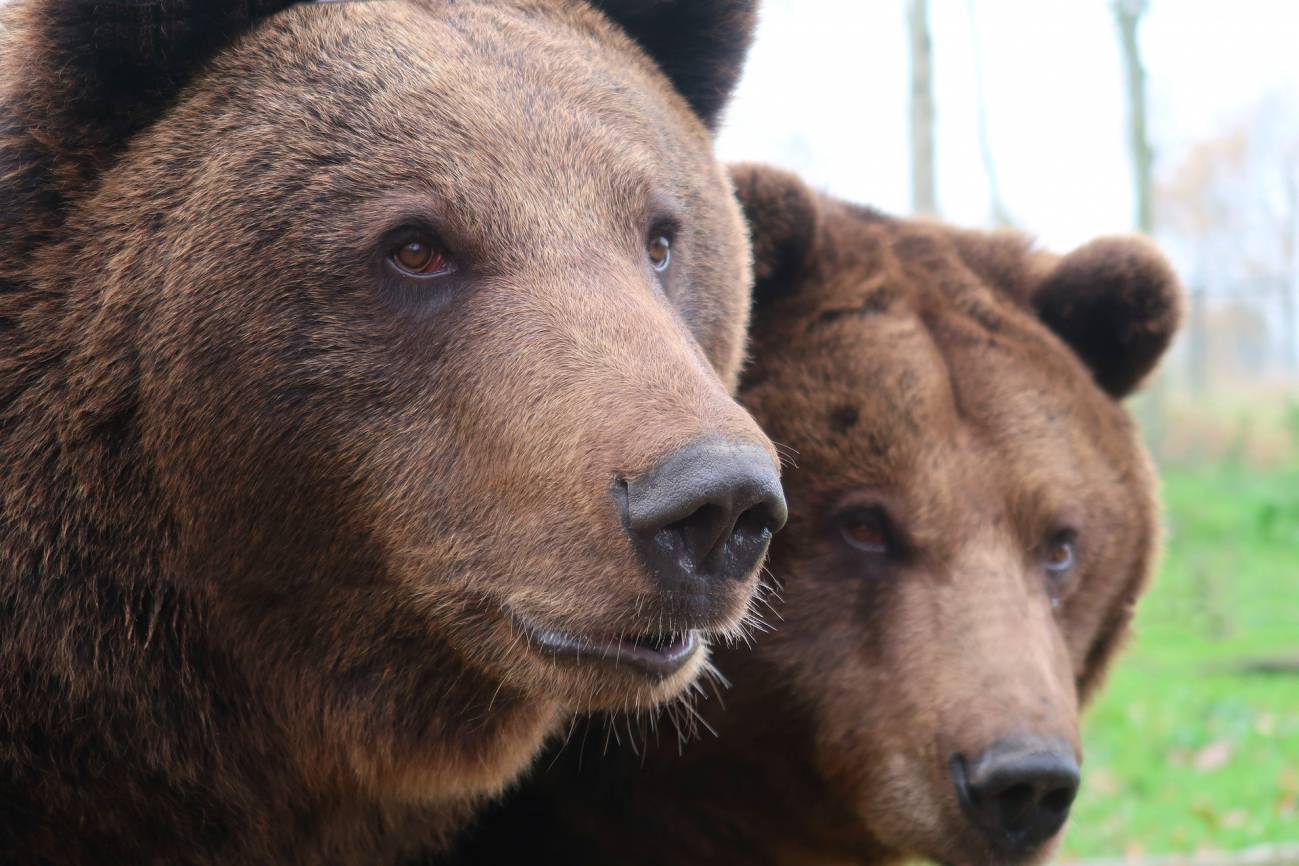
pixel 374 358
pixel 973 516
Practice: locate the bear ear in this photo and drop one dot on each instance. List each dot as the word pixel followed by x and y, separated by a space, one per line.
pixel 78 78
pixel 783 214
pixel 699 44
pixel 1117 303
pixel 112 65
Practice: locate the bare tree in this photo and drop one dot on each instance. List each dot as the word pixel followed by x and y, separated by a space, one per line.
pixel 1151 407
pixel 923 197
pixel 1128 15
pixel 1231 207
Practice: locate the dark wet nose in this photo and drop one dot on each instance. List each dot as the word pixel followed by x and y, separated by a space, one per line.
pixel 705 514
pixel 1019 791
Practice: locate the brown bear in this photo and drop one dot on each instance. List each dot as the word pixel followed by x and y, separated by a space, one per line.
pixel 365 409
pixel 972 518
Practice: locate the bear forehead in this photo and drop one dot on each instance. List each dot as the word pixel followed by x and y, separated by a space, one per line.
pixel 539 69
pixel 333 110
pixel 422 88
pixel 921 376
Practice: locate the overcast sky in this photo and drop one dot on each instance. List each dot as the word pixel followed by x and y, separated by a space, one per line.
pixel 825 93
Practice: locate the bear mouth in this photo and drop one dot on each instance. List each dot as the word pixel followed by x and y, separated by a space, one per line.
pixel 658 655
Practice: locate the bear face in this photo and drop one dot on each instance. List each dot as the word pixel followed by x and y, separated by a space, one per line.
pixel 340 376
pixel 973 513
pixel 972 519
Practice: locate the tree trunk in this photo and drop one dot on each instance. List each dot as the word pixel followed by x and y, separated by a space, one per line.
pixel 1197 344
pixel 1151 409
pixel 1128 15
pixel 1290 267
pixel 923 198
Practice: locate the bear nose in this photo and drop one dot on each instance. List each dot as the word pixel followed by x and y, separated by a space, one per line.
pixel 706 513
pixel 1019 791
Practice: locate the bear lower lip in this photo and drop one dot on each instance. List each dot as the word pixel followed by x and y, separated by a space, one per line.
pixel 657 655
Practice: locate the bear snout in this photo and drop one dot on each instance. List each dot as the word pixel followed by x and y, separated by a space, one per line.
pixel 705 515
pixel 1018 791
pixel 698 524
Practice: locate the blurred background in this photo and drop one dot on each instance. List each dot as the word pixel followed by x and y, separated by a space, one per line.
pixel 1076 118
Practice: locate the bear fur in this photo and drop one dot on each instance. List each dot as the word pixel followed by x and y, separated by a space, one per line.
pixel 962 390
pixel 271 505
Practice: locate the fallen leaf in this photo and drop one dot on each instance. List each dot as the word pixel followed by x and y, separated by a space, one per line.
pixel 1104 782
pixel 1204 809
pixel 1213 756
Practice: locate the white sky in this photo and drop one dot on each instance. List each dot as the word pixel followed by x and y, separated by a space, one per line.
pixel 825 94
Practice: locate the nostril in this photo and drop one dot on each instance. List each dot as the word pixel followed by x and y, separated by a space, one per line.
pixel 1017 803
pixel 1060 800
pixel 705 514
pixel 760 519
pixel 714 543
pixel 702 531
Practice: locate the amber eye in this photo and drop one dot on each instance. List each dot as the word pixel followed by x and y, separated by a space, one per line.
pixel 421 259
pixel 660 252
pixel 865 531
pixel 1059 556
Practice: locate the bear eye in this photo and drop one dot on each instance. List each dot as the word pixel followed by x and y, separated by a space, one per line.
pixel 421 258
pixel 660 252
pixel 1060 556
pixel 866 530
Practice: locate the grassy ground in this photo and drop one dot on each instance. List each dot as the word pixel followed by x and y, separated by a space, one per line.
pixel 1186 750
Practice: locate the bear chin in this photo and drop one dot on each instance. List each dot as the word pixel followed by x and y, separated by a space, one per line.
pixel 436 774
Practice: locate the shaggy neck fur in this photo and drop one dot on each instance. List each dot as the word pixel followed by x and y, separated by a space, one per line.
pixel 625 792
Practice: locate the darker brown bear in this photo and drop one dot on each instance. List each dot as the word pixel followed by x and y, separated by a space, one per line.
pixel 972 519
pixel 364 375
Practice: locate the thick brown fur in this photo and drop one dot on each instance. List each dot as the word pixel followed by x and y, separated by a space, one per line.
pixel 934 376
pixel 270 509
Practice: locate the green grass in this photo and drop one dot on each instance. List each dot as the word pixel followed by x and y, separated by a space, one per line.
pixel 1184 751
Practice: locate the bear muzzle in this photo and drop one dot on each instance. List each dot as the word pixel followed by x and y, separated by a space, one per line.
pixel 699 522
